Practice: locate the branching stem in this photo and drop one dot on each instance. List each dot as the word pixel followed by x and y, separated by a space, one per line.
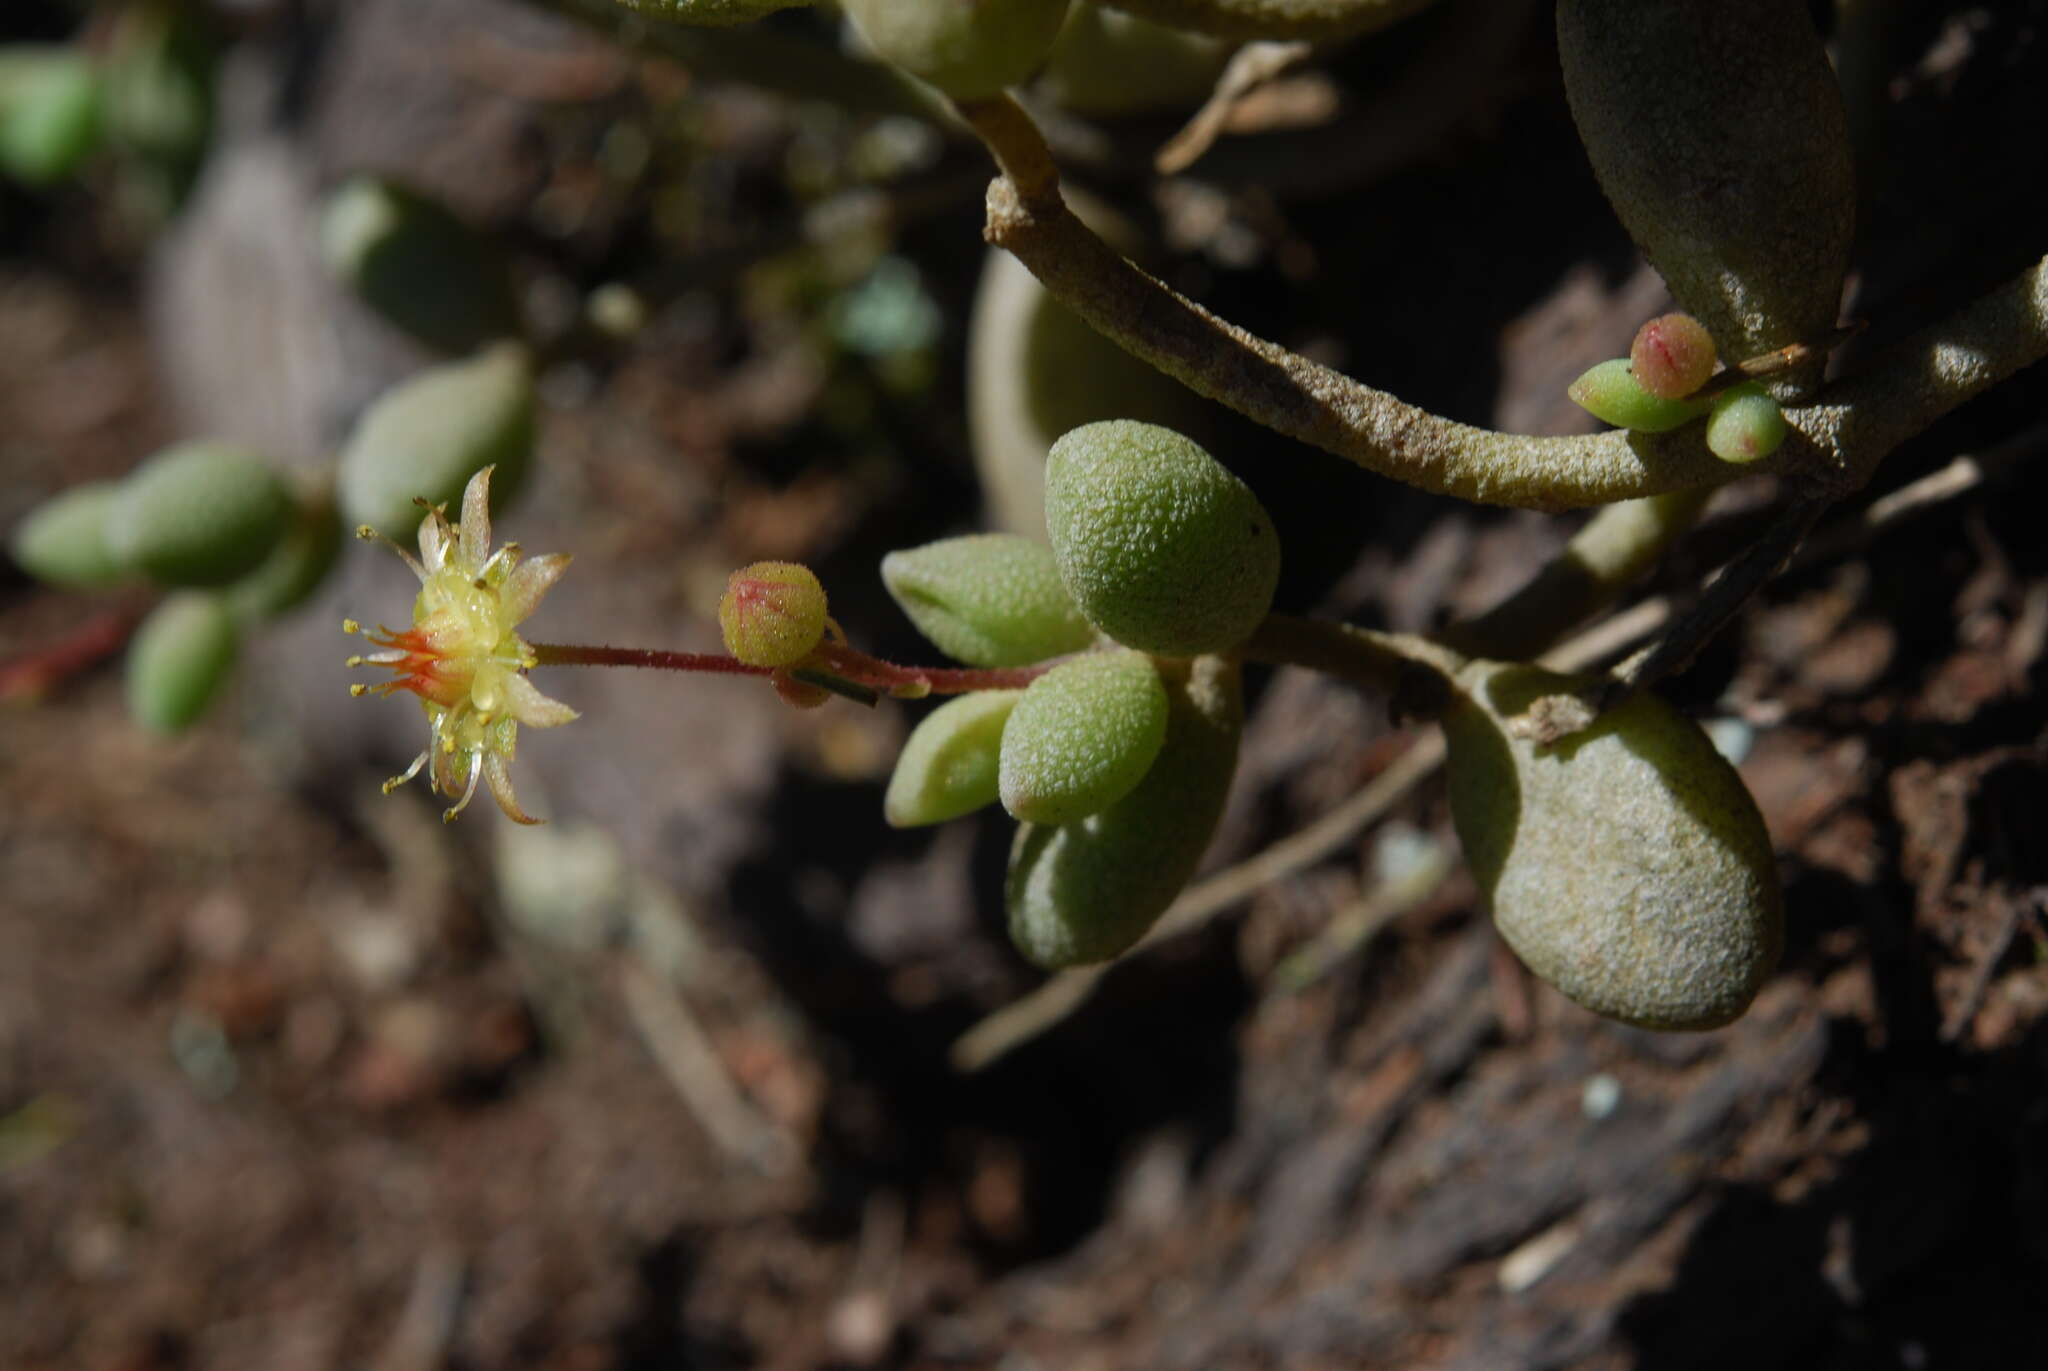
pixel 1837 441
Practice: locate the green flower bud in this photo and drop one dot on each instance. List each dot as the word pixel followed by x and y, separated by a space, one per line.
pixel 948 765
pixel 1610 393
pixel 295 567
pixel 1672 356
pixel 1086 891
pixel 988 599
pixel 1082 737
pixel 64 540
pixel 1163 549
pixel 1746 424
pixel 179 658
pixel 50 111
pixel 970 49
pixel 198 514
pixel 424 439
pixel 417 265
pixel 1627 864
pixel 772 613
pixel 1717 131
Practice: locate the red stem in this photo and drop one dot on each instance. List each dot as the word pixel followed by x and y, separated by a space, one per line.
pixel 571 654
pixel 856 665
pixel 838 658
pixel 38 671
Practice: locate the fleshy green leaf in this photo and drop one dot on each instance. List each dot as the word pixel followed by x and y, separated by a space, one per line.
pixel 417 265
pixel 1086 891
pixel 427 436
pixel 295 567
pixel 1610 393
pixel 1746 424
pixel 988 599
pixel 1082 737
pixel 64 539
pixel 180 656
pixel 1163 549
pixel 968 50
pixel 198 514
pixel 948 765
pixel 1626 865
pixel 50 112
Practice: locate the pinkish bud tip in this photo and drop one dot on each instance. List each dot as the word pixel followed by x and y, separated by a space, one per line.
pixel 1672 356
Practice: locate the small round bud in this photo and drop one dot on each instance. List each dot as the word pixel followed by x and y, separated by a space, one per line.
pixel 1610 393
pixel 1163 549
pixel 180 656
pixel 970 49
pixel 64 540
pixel 50 112
pixel 948 766
pixel 1746 424
pixel 1672 356
pixel 988 599
pixel 1086 891
pixel 1627 864
pixel 198 514
pixel 417 265
pixel 772 613
pixel 1082 737
pixel 425 437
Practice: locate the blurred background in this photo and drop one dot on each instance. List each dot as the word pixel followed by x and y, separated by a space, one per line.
pixel 292 1075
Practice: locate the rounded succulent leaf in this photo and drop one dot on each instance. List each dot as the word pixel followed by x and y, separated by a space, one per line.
pixel 64 540
pixel 988 599
pixel 1717 132
pixel 50 112
pixel 1627 865
pixel 772 613
pixel 1672 356
pixel 948 765
pixel 198 514
pixel 1163 549
pixel 1109 63
pixel 1746 424
pixel 1086 891
pixel 426 437
pixel 1610 393
pixel 417 265
pixel 180 656
pixel 970 49
pixel 295 567
pixel 1082 737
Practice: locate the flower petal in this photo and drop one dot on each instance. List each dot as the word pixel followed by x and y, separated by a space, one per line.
pixel 524 702
pixel 434 540
pixel 500 782
pixel 529 582
pixel 476 520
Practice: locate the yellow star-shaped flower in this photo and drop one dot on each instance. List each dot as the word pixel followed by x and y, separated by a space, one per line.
pixel 461 655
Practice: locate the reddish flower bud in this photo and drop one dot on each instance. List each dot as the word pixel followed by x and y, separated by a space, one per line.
pixel 773 613
pixel 1672 356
